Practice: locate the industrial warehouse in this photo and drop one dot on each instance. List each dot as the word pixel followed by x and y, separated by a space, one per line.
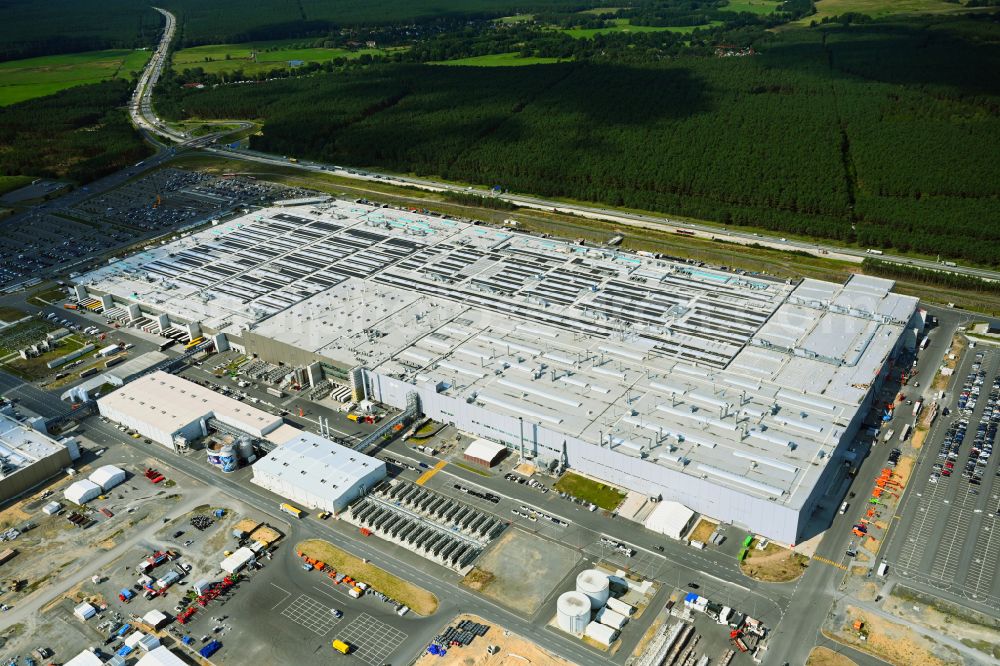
pixel 733 395
pixel 28 457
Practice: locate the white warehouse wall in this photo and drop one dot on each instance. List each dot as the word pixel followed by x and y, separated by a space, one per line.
pixel 298 495
pixel 760 515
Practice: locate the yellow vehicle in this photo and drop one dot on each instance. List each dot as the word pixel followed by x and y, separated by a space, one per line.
pixel 340 646
pixel 136 435
pixel 353 417
pixel 291 510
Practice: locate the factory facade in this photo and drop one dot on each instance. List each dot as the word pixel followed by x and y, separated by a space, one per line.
pixel 28 457
pixel 735 395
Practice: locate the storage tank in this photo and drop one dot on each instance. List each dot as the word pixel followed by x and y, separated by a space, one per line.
pixel 595 585
pixel 573 612
pixel 224 457
pixel 245 448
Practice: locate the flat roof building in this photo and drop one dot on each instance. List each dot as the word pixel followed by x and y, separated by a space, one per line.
pixel 27 457
pixel 313 471
pixel 734 394
pixel 163 407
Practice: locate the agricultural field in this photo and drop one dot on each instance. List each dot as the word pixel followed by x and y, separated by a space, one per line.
pixel 875 8
pixel 752 6
pixel 497 60
pixel 256 57
pixel 37 77
pixel 621 25
pixel 11 183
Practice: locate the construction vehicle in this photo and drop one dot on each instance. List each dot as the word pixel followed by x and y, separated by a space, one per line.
pixel 736 636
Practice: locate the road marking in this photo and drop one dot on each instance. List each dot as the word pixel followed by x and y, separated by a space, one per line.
pixel 426 476
pixel 311 614
pixel 830 562
pixel 287 593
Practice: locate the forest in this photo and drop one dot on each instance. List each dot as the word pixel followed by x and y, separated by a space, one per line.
pixel 883 134
pixel 80 133
pixel 30 28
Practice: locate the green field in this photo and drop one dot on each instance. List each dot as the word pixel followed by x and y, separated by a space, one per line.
pixel 11 183
pixel 256 57
pixel 37 77
pixel 605 496
pixel 879 8
pixel 497 60
pixel 752 6
pixel 516 18
pixel 622 25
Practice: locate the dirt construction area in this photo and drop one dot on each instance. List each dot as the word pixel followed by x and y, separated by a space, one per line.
pixel 774 564
pixel 513 650
pixel 886 640
pixel 520 570
pixel 821 656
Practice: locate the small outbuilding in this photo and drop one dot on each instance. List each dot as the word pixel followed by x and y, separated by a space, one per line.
pixel 671 519
pixel 611 618
pixel 237 560
pixel 601 633
pixel 484 452
pixel 52 508
pixel 161 656
pixel 108 476
pixel 85 611
pixel 85 658
pixel 155 618
pixel 82 491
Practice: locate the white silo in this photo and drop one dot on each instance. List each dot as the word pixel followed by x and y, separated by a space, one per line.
pixel 573 612
pixel 594 584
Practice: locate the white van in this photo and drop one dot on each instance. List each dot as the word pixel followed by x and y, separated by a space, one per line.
pixel 843 508
pixel 883 568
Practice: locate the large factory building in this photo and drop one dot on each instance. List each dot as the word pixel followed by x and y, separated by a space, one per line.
pixel 28 457
pixel 171 410
pixel 315 472
pixel 735 395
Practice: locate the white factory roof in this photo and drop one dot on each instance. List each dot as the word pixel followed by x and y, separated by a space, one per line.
pixel 21 446
pixel 742 379
pixel 160 656
pixel 669 518
pixel 317 466
pixel 136 365
pixel 237 560
pixel 283 433
pixel 85 658
pixel 169 403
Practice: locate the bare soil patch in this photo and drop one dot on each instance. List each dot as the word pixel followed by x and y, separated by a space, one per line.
pixel 774 564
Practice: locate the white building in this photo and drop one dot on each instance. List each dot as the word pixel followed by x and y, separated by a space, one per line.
pixel 85 658
pixel 669 518
pixel 313 471
pixel 163 407
pixel 28 456
pixel 108 476
pixel 82 491
pixel 161 656
pixel 239 559
pixel 84 611
pixel 601 633
pixel 734 394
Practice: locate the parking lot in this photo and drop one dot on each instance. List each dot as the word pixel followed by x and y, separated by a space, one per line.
pixel 946 537
pixel 371 641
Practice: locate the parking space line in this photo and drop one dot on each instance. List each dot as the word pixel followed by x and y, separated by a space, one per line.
pixel 311 614
pixel 287 594
pixel 372 641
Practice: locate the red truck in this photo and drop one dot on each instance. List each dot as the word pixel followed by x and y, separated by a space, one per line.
pixel 107 513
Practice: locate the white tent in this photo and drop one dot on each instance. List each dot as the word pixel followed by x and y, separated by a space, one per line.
pixel 154 618
pixel 161 656
pixel 85 658
pixel 108 476
pixel 611 618
pixel 671 519
pixel 85 611
pixel 82 491
pixel 237 560
pixel 601 633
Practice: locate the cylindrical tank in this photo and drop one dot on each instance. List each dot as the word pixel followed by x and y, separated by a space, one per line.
pixel 573 612
pixel 246 448
pixel 595 585
pixel 227 458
